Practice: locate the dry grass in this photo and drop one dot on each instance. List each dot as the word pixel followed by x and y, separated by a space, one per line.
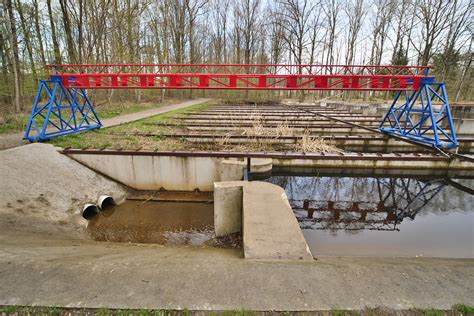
pixel 312 144
pixel 258 128
pixel 262 138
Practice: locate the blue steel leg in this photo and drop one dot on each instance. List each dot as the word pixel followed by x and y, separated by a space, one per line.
pixel 48 114
pixel 386 117
pixel 415 127
pixel 449 115
pixel 433 120
pixel 58 98
pixel 33 111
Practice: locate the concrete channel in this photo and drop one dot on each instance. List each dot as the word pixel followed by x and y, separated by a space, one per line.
pixel 263 214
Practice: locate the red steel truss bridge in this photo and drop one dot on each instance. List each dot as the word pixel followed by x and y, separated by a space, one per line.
pixel 62 107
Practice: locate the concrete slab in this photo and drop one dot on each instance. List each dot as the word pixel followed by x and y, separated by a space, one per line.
pixel 228 198
pixel 53 271
pixel 270 229
pixel 262 211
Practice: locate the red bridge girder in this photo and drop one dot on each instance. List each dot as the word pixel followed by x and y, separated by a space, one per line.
pixel 239 76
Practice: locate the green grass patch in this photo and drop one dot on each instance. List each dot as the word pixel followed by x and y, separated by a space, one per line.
pixel 13 123
pixel 464 309
pixel 121 136
pixel 122 109
pixel 431 312
pixel 457 310
pixel 16 122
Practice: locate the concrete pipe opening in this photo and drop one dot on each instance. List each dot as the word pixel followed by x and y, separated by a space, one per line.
pixel 89 211
pixel 105 202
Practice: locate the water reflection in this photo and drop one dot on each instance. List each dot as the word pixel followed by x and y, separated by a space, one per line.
pixel 357 203
pixel 383 216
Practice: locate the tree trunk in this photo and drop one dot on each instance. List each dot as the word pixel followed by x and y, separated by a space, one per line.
pixel 15 58
pixel 67 29
pixel 27 38
pixel 38 32
pixel 57 53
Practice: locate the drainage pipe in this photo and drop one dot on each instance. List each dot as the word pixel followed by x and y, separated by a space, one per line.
pixel 89 211
pixel 105 201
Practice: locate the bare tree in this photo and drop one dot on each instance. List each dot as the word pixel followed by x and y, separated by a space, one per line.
pixel 68 31
pixel 54 38
pixel 276 35
pixel 433 16
pixel 457 27
pixel 296 19
pixel 27 38
pixel 248 12
pixel 467 67
pixel 355 12
pixel 380 27
pixel 39 36
pixel 15 60
pixel 331 9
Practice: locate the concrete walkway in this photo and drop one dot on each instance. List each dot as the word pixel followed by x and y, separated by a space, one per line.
pixel 15 140
pixel 46 270
pixel 127 118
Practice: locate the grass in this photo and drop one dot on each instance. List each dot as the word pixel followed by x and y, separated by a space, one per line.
pixel 16 122
pixel 456 310
pixel 464 309
pixel 122 136
pixel 131 136
pixel 431 312
pixel 13 123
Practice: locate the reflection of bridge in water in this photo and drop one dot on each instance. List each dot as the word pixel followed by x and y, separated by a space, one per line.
pixel 360 203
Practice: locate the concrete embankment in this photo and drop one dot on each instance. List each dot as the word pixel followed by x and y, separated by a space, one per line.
pixel 50 271
pixel 42 190
pixel 176 170
pixel 182 173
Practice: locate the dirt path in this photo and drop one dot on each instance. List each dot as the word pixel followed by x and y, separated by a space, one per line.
pixel 15 140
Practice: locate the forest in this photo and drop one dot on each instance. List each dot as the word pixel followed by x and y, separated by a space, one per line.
pixel 34 33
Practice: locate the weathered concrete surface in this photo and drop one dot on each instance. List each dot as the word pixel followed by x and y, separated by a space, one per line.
pixel 412 167
pixel 227 208
pixel 46 270
pixel 170 173
pixel 262 212
pixel 270 229
pixel 153 173
pixel 232 169
pixel 43 190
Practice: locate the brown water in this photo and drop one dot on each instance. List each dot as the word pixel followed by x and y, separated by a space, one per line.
pixel 166 223
pixel 398 217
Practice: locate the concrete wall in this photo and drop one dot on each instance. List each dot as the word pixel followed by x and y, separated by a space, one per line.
pixel 170 173
pixel 228 199
pixel 262 212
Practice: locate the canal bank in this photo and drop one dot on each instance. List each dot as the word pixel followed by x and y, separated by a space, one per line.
pixel 48 270
pixel 50 266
